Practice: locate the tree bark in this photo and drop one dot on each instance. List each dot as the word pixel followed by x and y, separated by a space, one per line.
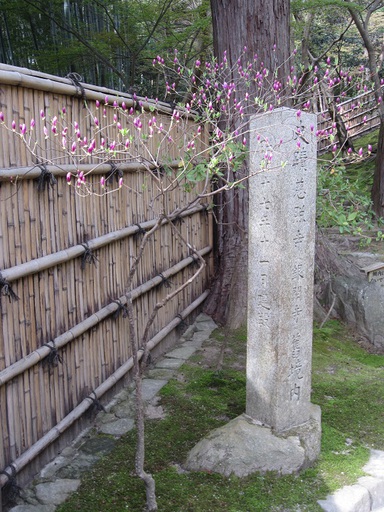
pixel 362 26
pixel 242 27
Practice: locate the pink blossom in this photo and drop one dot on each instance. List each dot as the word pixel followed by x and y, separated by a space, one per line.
pixel 32 125
pixel 361 152
pixel 137 123
pixel 13 125
pixel 102 182
pixel 96 121
pixel 120 182
pixel 1 117
pixel 97 103
pixel 73 147
pixel 68 178
pixel 369 149
pixel 23 129
pixel 42 115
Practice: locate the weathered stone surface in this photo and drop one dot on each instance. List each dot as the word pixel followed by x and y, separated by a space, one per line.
pixel 183 352
pixel 161 373
pixel 98 445
pixel 359 303
pixel 33 508
pixel 118 427
pixel 281 264
pixel 151 387
pixel 375 465
pixel 78 466
pixel 242 447
pixel 170 363
pixel 351 498
pixel 54 493
pixel 375 487
pixel 310 435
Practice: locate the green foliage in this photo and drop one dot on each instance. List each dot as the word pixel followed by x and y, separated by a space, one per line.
pixel 344 196
pixel 202 398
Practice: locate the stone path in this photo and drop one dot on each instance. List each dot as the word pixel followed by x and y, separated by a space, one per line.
pixel 366 495
pixel 62 476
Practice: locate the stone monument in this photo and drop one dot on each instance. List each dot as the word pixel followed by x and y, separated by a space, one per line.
pixel 280 430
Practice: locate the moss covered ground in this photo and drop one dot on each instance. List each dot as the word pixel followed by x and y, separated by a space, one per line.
pixel 209 390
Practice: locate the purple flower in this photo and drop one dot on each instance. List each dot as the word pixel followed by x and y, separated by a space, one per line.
pixel 102 182
pixel 68 178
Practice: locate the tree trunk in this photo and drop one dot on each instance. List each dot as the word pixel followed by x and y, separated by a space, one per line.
pixel 251 27
pixel 362 26
pixel 378 179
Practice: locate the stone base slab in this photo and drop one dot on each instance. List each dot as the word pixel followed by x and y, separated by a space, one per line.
pixel 243 447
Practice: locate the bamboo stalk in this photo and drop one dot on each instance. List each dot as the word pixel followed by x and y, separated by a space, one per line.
pixel 19 463
pixel 51 260
pixel 33 171
pixel 11 75
pixel 76 331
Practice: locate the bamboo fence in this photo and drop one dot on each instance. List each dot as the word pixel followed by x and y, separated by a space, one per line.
pixel 65 260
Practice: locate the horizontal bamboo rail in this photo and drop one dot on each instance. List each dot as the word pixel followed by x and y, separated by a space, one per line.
pixel 17 465
pixel 46 262
pixel 65 312
pixel 22 77
pixel 39 354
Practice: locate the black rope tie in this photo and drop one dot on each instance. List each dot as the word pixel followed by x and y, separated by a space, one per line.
pixel 53 358
pixel 140 230
pixel 159 171
pixel 165 281
pixel 6 289
pixel 122 309
pixel 182 323
pixel 178 220
pixel 11 488
pixel 195 260
pixel 115 171
pixel 88 256
pixel 75 78
pixel 96 403
pixel 45 179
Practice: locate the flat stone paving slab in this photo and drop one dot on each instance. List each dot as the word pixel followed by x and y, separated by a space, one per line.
pixel 170 363
pixel 351 498
pixel 54 493
pixel 375 487
pixel 375 465
pixel 34 508
pixel 151 387
pixel 161 373
pixel 183 352
pixel 118 427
